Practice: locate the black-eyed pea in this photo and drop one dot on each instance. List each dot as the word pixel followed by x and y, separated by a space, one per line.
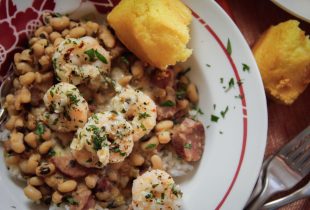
pixel 45 62
pixel 38 49
pixel 32 139
pixel 192 93
pixel 10 124
pixel 164 137
pixel 136 159
pixel 46 146
pixel 57 197
pixel 17 143
pixel 73 24
pixel 58 41
pixel 49 51
pixel 45 169
pixel 16 83
pixel 156 162
pixel 38 77
pixel 164 125
pixel 151 144
pixel 23 68
pixel 91 181
pixel 54 35
pixel 67 186
pixel 103 196
pixel 53 181
pixel 60 23
pixel 65 33
pixel 48 76
pixel 32 193
pixel 113 175
pixel 33 162
pixel 17 58
pixel 115 192
pixel 35 181
pixel 19 123
pixel 27 78
pixel 183 104
pixel 39 31
pixel 12 159
pixel 31 122
pixel 33 40
pixel 125 80
pixel 25 96
pixel 23 166
pixel 107 37
pixel 137 70
pixel 25 56
pixel 77 32
pixel 124 181
pixel 91 28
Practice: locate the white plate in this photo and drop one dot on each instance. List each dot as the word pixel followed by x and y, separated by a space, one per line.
pixel 299 8
pixel 235 145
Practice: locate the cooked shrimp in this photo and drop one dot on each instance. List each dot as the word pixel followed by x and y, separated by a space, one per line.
pixel 106 134
pixel 67 109
pixel 155 190
pixel 79 60
pixel 138 108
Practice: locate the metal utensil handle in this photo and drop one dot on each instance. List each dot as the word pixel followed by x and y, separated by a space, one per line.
pixel 297 195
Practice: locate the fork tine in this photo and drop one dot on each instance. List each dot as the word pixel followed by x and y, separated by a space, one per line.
pixel 295 155
pixel 295 143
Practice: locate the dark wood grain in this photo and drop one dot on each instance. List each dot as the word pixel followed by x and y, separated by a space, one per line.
pixel 284 122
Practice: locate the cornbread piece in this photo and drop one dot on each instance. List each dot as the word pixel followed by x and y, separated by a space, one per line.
pixel 154 30
pixel 283 57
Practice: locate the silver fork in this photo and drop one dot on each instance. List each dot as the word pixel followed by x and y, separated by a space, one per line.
pixel 286 169
pixel 5 88
pixel 301 193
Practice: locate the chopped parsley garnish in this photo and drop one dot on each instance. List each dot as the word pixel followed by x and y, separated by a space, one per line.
pixel 229 48
pixel 214 118
pixel 221 80
pixel 92 54
pixel 114 112
pixel 143 115
pixel 150 146
pixel 208 65
pixel 231 84
pixel 175 191
pixel 180 94
pixel 239 82
pixel 239 96
pixel 214 106
pixel 223 113
pixel 57 14
pixel 51 153
pixel 143 127
pixel 187 146
pixel 182 73
pixel 101 57
pixel 199 111
pixel 97 139
pixel 167 103
pixel 221 132
pixel 245 67
pixel 40 129
pixel 69 199
pixel 117 150
pixel 73 98
pixel 149 196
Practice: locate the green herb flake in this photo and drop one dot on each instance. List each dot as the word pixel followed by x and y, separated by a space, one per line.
pixel 91 54
pixel 143 115
pixel 167 103
pixel 124 60
pixel 245 67
pixel 221 80
pixel 214 118
pixel 239 82
pixel 187 146
pixel 239 96
pixel 101 57
pixel 51 153
pixel 208 65
pixel 150 146
pixel 69 199
pixel 180 94
pixel 229 48
pixel 223 113
pixel 231 84
pixel 149 196
pixel 214 106
pixel 40 129
pixel 143 127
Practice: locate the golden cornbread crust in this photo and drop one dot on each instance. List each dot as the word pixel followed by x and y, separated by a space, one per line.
pixel 154 30
pixel 283 57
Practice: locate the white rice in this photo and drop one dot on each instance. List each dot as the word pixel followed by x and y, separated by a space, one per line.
pixel 174 165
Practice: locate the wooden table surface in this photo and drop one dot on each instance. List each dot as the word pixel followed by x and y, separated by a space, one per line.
pixel 284 122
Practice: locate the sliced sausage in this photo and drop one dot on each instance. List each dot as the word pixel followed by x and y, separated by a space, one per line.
pixel 165 113
pixel 82 196
pixel 188 139
pixel 163 78
pixel 103 184
pixel 68 166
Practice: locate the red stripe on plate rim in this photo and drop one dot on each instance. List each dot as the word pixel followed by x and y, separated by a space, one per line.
pixel 243 103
